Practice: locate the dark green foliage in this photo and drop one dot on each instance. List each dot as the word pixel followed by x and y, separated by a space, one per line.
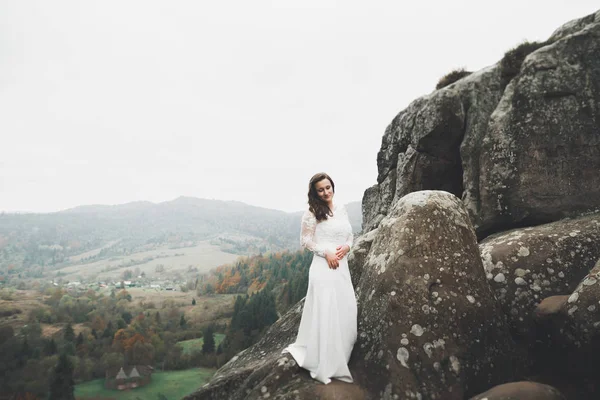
pixel 50 347
pixel 69 333
pixel 25 352
pixel 209 340
pixel 251 316
pixel 209 289
pixel 182 321
pixel 6 333
pixel 79 341
pixel 193 302
pixel 452 77
pixel 108 331
pixel 61 382
pixel 510 65
pixel 127 317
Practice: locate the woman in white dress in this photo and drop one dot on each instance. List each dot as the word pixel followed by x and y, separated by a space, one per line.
pixel 327 330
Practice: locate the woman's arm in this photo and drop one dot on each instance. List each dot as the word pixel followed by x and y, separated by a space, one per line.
pixel 307 233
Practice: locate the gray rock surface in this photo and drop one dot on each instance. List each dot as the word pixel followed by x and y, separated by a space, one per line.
pixel 575 317
pixel 358 255
pixel 524 154
pixel 524 266
pixel 429 326
pixel 540 156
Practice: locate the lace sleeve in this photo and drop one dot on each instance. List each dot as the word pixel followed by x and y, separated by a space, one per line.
pixel 309 224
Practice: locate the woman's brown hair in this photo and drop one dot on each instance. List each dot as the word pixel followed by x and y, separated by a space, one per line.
pixel 315 205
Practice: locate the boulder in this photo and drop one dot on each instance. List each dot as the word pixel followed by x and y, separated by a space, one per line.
pixel 567 343
pixel 521 391
pixel 358 254
pixel 429 326
pixel 524 266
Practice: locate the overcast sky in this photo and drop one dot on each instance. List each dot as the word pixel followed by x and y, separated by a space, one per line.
pixel 107 102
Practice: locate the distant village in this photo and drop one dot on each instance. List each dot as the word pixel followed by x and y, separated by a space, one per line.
pixel 141 283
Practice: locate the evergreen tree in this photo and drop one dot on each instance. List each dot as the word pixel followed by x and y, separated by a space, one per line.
pixel 62 385
pixel 209 340
pixel 108 331
pixel 127 317
pixel 69 333
pixel 193 302
pixel 79 339
pixel 50 347
pixel 182 321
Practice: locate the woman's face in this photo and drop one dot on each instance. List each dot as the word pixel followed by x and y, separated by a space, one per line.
pixel 324 190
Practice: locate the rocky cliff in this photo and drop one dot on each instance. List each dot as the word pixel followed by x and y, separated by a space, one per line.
pixel 521 153
pixel 511 158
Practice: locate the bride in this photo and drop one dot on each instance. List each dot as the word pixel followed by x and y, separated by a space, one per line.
pixel 327 330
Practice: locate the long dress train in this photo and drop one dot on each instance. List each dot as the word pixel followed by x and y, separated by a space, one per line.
pixel 327 329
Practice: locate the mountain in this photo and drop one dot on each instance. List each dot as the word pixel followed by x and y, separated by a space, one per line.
pixel 95 232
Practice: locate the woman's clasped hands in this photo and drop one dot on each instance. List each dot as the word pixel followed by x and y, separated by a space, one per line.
pixel 333 260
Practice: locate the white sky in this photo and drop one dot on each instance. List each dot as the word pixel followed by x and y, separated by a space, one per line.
pixel 107 102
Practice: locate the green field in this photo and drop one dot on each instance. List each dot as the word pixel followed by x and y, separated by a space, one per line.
pixel 189 346
pixel 172 384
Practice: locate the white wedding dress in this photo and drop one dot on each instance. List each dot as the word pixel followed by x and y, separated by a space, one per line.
pixel 327 330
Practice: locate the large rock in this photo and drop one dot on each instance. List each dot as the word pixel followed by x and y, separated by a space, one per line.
pixel 421 148
pixel 358 255
pixel 524 266
pixel 568 339
pixel 429 325
pixel 574 26
pixel 541 154
pixel 572 321
pixel 522 154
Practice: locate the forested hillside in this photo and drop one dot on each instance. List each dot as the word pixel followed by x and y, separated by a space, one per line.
pixel 36 245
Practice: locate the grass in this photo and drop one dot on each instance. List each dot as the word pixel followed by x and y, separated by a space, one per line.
pixel 513 59
pixel 204 256
pixel 452 77
pixel 23 300
pixel 192 345
pixel 171 384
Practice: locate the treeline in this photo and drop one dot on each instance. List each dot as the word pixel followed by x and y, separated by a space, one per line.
pixel 286 273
